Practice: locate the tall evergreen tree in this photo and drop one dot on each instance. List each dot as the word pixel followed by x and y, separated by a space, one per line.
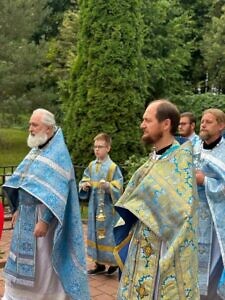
pixel 108 80
pixel 52 22
pixel 62 51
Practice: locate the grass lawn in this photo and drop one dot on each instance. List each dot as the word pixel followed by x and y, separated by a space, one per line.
pixel 13 146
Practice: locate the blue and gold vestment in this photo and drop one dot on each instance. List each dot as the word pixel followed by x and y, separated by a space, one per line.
pixel 156 235
pixel 101 249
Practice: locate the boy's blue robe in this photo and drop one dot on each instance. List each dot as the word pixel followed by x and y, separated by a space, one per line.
pixel 101 249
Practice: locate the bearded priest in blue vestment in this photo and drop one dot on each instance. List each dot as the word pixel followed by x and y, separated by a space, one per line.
pixel 47 258
pixel 210 176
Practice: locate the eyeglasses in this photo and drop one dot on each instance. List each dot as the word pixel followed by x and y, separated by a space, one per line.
pixel 99 147
pixel 183 124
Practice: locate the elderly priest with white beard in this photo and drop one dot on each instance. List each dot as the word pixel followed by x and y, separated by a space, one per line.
pixel 47 258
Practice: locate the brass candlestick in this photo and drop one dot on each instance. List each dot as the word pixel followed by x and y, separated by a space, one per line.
pixel 100 216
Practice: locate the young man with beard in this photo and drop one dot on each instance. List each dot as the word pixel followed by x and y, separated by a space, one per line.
pixel 156 238
pixel 47 242
pixel 186 128
pixel 211 188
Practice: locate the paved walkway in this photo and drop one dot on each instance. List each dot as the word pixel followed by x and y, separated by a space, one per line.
pixel 102 287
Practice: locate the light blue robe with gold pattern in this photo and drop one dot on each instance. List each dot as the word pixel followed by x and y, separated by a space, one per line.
pixel 158 208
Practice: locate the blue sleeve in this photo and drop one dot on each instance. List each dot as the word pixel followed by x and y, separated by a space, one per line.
pixel 46 215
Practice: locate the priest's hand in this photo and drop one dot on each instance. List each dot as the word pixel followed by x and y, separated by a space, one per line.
pixel 85 186
pixel 200 177
pixel 14 218
pixel 41 229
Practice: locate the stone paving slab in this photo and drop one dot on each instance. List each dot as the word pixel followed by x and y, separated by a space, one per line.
pixel 102 287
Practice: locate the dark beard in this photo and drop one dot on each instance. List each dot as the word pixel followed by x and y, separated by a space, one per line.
pixel 150 140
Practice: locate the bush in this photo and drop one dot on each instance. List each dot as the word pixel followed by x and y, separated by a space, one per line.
pixel 131 165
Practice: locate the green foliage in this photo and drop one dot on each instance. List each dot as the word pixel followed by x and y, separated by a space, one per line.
pixel 213 46
pixel 107 87
pixel 7 119
pixel 20 58
pixel 13 146
pixel 62 51
pixel 167 46
pixel 198 10
pixel 61 54
pixel 25 26
pixel 52 22
pixel 106 61
pixel 132 164
pixel 20 18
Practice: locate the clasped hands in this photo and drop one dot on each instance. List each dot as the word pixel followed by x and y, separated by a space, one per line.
pixel 86 186
pixel 102 184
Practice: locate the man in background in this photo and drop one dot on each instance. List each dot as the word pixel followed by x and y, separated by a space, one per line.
pixel 46 259
pixel 187 126
pixel 210 176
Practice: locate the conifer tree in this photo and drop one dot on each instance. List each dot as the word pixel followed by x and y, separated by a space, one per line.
pixel 108 85
pixel 20 58
pixel 167 46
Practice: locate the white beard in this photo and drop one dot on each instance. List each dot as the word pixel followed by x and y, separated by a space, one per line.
pixel 36 140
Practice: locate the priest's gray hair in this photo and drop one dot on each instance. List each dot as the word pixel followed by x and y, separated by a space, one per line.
pixel 48 118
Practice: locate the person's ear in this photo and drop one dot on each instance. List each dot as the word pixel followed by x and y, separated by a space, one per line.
pixel 48 130
pixel 167 124
pixel 221 127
